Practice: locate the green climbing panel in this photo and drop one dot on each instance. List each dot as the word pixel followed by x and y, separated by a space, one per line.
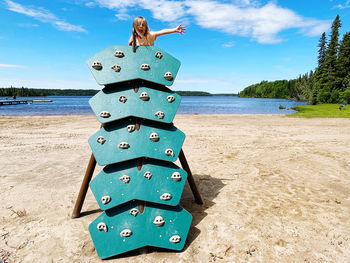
pixel 149 102
pixel 124 228
pixel 156 181
pixel 119 63
pixel 121 141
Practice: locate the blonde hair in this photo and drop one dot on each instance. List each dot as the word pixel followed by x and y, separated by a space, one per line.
pixel 137 36
pixel 138 20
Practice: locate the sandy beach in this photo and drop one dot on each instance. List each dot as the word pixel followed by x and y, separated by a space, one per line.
pixel 275 189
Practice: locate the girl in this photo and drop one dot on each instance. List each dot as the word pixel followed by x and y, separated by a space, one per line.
pixel 144 37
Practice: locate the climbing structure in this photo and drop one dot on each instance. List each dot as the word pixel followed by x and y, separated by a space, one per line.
pixel 140 187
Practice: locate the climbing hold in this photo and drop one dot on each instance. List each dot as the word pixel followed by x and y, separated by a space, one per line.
pixel 165 196
pixel 105 114
pixel 97 65
pixel 159 114
pixel 159 55
pixel 131 128
pixel 123 145
pixel 168 76
pixel 158 221
pixel 122 98
pixel 134 212
pixel 126 233
pixel 102 227
pixel 175 239
pixel 116 68
pixel 170 98
pixel 176 176
pixel 119 54
pixel 169 152
pixel 105 199
pixel 125 179
pixel 154 137
pixel 144 96
pixel 145 67
pixel 101 139
pixel 147 175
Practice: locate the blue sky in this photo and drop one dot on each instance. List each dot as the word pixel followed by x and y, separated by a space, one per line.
pixel 228 45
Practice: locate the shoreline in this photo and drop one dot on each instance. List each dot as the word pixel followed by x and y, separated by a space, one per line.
pixel 275 189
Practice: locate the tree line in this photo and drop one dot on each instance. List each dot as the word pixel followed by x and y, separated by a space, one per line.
pixel 26 92
pixel 328 83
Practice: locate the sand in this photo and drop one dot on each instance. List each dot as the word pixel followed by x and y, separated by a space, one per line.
pixel 275 189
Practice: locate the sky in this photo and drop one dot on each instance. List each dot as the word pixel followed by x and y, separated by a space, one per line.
pixel 228 44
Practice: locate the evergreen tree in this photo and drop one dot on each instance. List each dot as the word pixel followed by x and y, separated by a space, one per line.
pixel 343 62
pixel 328 80
pixel 322 51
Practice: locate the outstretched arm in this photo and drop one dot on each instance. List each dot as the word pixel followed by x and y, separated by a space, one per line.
pixel 179 29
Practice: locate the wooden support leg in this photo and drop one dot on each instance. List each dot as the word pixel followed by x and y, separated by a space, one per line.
pixel 190 178
pixel 84 187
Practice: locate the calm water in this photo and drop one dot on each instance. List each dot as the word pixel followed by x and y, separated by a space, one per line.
pixel 66 105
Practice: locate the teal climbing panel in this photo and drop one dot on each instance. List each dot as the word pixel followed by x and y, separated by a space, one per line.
pixel 119 63
pixel 121 141
pixel 149 102
pixel 124 228
pixel 156 181
pixel 140 187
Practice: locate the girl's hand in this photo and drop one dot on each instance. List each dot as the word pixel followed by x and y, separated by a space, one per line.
pixel 180 29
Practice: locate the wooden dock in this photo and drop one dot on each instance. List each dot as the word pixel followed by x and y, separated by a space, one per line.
pixel 14 102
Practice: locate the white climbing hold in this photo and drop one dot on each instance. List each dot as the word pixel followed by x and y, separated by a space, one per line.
pixel 169 152
pixel 159 114
pixel 116 68
pixel 105 199
pixel 125 179
pixel 175 239
pixel 147 175
pixel 158 221
pixel 105 114
pixel 170 98
pixel 145 67
pixel 101 139
pixel 119 54
pixel 134 212
pixel 131 128
pixel 102 227
pixel 97 65
pixel 154 137
pixel 123 98
pixel 144 96
pixel 126 233
pixel 123 145
pixel 168 76
pixel 165 197
pixel 176 176
pixel 159 55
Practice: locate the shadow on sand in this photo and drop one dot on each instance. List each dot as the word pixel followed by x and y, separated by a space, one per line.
pixel 208 187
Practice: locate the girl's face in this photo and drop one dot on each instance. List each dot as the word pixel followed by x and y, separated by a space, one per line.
pixel 141 27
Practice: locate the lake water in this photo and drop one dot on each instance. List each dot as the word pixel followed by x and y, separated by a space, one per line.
pixel 68 105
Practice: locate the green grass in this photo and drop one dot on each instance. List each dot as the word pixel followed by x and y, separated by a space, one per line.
pixel 321 110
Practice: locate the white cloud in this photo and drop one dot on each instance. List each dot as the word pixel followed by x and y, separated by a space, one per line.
pixel 260 23
pixel 43 15
pixel 64 26
pixel 229 44
pixel 345 5
pixel 247 18
pixel 11 66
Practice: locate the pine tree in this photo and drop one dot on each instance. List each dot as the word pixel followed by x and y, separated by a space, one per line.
pixel 343 62
pixel 328 85
pixel 322 51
